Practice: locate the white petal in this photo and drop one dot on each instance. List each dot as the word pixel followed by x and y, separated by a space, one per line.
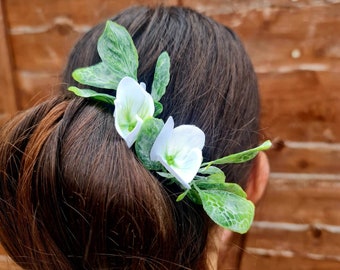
pixel 187 136
pixel 132 104
pixel 133 96
pixel 183 145
pixel 186 171
pixel 160 145
pixel 143 85
pixel 132 136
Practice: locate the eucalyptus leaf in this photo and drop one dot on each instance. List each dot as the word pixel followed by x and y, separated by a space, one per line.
pixel 99 75
pixel 217 177
pixel 241 156
pixel 119 59
pixel 228 209
pixel 235 188
pixel 88 93
pixel 145 140
pixel 117 50
pixel 161 77
pixel 206 180
pixel 210 170
pixel 166 175
pixel 230 187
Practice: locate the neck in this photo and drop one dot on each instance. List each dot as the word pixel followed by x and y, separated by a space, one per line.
pixel 224 249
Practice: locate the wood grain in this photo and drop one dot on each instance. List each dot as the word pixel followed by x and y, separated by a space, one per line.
pixel 297 224
pixel 305 157
pixel 7 102
pixel 301 199
pixel 287 261
pixel 295 49
pixel 301 105
pixel 81 12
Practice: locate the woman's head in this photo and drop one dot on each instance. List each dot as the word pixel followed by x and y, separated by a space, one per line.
pixel 212 81
pixel 79 197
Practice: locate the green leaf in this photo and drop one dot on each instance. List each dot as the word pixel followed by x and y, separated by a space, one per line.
pixel 158 108
pixel 241 156
pixel 194 196
pixel 208 185
pixel 99 75
pixel 230 187
pixel 161 77
pixel 210 170
pixel 166 175
pixel 235 188
pixel 119 59
pixel 145 140
pixel 117 50
pixel 88 93
pixel 228 209
pixel 217 177
pixel 182 195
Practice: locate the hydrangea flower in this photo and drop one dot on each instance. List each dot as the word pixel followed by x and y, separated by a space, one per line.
pixel 179 150
pixel 132 106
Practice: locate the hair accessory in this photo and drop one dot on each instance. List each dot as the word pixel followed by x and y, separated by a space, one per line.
pixel 175 153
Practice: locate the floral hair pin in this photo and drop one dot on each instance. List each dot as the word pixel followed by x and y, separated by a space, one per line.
pixel 175 153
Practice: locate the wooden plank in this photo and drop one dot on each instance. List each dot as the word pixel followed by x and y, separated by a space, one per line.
pixel 46 51
pixel 297 224
pixel 300 113
pixel 34 87
pixel 305 107
pixel 41 13
pixel 275 45
pixel 301 105
pixel 265 259
pixel 305 157
pixel 281 35
pixel 297 58
pixel 47 30
pixel 321 239
pixel 7 98
pixel 301 199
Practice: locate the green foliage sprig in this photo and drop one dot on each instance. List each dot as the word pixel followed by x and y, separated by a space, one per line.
pixel 174 153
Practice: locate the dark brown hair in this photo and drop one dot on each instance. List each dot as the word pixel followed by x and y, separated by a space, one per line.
pixel 74 196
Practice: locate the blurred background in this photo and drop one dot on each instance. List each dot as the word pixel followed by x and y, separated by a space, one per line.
pixel 295 48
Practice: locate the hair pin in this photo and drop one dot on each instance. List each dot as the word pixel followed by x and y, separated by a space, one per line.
pixel 175 153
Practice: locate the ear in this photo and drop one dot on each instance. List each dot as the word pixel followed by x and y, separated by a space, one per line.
pixel 258 178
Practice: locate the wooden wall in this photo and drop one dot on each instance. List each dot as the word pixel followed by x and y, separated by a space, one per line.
pixel 295 47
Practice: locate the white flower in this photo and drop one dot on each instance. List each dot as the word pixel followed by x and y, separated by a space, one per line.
pixel 132 106
pixel 179 150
